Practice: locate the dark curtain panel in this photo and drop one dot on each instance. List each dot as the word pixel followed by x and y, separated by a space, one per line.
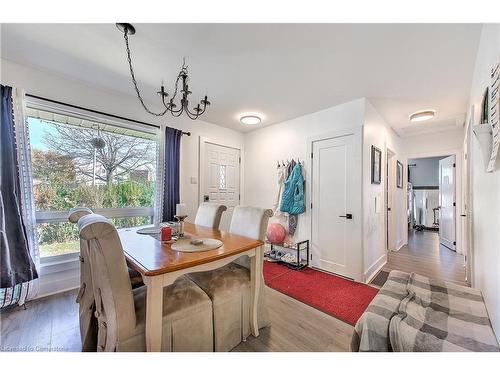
pixel 16 265
pixel 171 179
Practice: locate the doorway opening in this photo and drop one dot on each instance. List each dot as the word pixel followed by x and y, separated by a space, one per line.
pixel 432 221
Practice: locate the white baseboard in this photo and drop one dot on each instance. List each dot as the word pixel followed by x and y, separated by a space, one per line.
pixel 375 268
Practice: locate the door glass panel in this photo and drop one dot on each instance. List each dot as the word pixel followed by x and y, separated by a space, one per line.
pixel 222 177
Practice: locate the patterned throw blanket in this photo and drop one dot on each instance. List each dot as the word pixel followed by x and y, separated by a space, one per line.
pixel 414 313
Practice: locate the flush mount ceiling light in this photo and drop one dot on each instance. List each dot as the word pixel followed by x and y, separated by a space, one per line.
pixel 422 115
pixel 250 119
pixel 182 79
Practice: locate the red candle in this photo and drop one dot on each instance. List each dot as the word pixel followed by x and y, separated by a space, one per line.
pixel 166 233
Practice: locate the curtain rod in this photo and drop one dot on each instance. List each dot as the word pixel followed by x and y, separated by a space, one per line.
pixel 98 112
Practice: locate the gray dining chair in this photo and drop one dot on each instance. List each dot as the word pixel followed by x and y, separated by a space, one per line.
pixel 229 287
pixel 121 310
pixel 209 214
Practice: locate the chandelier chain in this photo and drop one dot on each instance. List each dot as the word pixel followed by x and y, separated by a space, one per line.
pixel 129 58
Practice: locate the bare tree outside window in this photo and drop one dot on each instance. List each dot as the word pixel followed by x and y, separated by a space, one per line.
pixel 116 154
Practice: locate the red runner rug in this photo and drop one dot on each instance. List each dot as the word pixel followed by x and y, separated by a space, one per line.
pixel 344 299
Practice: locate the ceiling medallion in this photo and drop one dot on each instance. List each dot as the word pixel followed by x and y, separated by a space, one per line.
pixel 183 78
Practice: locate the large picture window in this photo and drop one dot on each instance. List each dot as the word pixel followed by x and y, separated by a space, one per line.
pixel 78 162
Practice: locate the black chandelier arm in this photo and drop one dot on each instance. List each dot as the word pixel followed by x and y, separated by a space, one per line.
pixel 134 81
pixel 192 116
pixel 196 113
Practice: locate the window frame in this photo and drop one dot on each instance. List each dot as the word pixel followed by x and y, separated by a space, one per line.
pixel 61 216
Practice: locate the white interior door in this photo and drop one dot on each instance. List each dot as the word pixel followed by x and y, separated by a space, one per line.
pixel 221 182
pixel 333 186
pixel 447 181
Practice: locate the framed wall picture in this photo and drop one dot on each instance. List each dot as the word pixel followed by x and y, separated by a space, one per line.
pixel 376 165
pixel 399 174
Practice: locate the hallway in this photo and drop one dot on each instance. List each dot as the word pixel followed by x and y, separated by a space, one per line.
pixel 425 256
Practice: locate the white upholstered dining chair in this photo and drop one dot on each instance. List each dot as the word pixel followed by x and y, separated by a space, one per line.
pixel 209 214
pixel 121 310
pixel 229 287
pixel 85 297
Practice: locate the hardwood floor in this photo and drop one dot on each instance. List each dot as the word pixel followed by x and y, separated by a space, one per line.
pixel 51 323
pixel 425 256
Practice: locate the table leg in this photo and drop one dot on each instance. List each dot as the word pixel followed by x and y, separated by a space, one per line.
pixel 255 281
pixel 154 307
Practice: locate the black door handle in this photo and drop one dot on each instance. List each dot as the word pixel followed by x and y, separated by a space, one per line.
pixel 206 198
pixel 347 216
pixel 463 215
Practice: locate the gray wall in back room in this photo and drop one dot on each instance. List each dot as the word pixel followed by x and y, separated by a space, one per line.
pixel 426 171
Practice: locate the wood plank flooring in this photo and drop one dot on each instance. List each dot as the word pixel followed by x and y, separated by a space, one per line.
pixel 425 256
pixel 51 323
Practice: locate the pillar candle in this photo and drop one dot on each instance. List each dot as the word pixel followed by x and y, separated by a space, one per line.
pixel 180 209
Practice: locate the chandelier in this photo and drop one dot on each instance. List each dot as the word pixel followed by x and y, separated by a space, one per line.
pixel 182 78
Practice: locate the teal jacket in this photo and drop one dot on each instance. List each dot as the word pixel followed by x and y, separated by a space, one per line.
pixel 292 200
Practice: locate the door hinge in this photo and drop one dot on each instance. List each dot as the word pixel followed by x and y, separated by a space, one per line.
pixel 454 204
pixel 454 165
pixel 312 155
pixel 239 159
pixel 311 206
pixel 454 243
pixel 311 257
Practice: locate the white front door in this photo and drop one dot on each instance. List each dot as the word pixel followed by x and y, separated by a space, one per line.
pixel 333 187
pixel 221 179
pixel 447 212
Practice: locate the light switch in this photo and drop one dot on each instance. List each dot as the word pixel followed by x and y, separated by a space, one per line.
pixel 194 180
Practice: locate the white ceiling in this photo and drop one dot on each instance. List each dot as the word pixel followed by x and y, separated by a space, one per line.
pixel 280 70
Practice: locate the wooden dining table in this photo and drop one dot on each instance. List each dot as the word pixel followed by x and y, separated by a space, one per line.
pixel 160 266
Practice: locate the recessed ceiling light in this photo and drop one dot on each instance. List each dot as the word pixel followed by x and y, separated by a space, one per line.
pixel 250 119
pixel 422 115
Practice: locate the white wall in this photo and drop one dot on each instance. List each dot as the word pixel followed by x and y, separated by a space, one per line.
pixel 485 188
pixel 377 133
pixel 70 91
pixel 287 140
pixel 426 144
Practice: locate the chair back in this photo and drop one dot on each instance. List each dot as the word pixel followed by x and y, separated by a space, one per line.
pixel 112 289
pixel 209 214
pixel 85 297
pixel 250 222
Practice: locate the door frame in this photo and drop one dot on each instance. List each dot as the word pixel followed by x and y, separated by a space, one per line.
pixel 357 207
pixel 458 185
pixel 201 165
pixel 467 204
pixel 389 184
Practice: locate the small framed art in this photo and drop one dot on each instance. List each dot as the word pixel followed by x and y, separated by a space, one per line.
pixel 399 174
pixel 376 165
